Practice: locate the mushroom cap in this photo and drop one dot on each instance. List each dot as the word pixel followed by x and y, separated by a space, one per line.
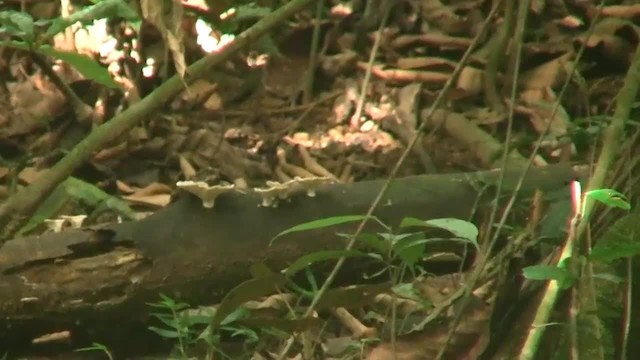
pixel 310 184
pixel 207 193
pixel 75 220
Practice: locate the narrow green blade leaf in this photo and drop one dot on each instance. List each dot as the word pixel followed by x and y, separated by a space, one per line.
pixel 167 334
pixel 460 228
pixel 305 261
pixel 88 67
pixel 322 223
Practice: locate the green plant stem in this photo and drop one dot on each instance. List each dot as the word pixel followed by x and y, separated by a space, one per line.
pixel 313 55
pixel 15 211
pixel 611 143
pixel 418 135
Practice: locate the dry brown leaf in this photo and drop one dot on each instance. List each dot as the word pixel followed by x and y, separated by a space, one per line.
pixel 615 38
pixel 539 107
pixel 195 94
pixel 428 77
pixel 470 81
pixel 432 39
pixel 124 187
pixel 30 174
pixel 154 194
pixel 468 342
pixel 424 62
pixel 34 102
pixel 622 11
pixel 187 169
pixel 169 26
pixel 550 74
pixel 442 17
pixel 156 200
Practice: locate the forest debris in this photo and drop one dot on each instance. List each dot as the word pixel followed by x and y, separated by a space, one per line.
pixel 487 149
pixel 358 330
pixel 312 165
pixel 434 39
pixel 430 77
pixel 443 17
pixel 291 169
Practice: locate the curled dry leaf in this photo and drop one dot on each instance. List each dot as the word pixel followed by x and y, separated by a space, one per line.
pixel 169 23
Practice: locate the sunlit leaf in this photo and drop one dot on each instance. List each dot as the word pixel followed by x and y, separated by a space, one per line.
pixel 86 66
pixel 18 24
pixel 547 272
pixel 609 197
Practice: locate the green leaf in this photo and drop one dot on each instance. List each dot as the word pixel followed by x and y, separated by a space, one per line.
pixel 547 272
pixel 260 269
pixel 318 256
pixel 86 66
pixel 377 243
pixel 18 24
pixel 165 333
pixel 322 223
pixel 248 290
pixel 410 248
pixel 460 228
pixel 610 198
pixel 104 9
pixel 607 252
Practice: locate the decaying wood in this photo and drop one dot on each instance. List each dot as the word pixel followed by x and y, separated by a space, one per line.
pixel 96 282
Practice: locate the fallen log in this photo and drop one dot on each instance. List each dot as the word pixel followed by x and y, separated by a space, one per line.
pixel 95 282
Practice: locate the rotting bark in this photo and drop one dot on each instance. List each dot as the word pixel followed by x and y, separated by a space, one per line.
pixel 96 281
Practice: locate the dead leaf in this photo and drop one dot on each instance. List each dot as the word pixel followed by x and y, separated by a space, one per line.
pixel 154 194
pixel 442 17
pixel 470 81
pixel 550 74
pixel 30 174
pixel 169 26
pixel 615 38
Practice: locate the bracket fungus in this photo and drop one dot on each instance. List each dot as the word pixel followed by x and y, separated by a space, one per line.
pixel 207 193
pixel 74 220
pixel 311 184
pixel 273 192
